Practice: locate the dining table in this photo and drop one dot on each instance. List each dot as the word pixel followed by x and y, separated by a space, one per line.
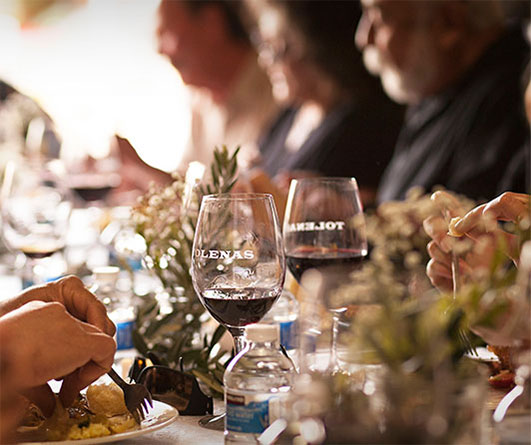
pixel 185 430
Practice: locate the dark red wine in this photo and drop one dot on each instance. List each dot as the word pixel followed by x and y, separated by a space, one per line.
pixel 36 253
pixel 92 192
pixel 239 307
pixel 339 262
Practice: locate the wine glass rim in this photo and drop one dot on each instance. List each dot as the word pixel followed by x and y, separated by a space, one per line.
pixel 327 179
pixel 238 196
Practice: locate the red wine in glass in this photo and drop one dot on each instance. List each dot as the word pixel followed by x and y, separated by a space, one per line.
pixel 238 307
pixel 91 193
pixel 39 252
pixel 93 187
pixel 336 261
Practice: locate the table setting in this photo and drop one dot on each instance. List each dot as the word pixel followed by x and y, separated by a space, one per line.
pixel 380 355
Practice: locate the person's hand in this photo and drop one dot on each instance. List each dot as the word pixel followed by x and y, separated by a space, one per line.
pixel 43 341
pixel 478 226
pixel 283 179
pixel 439 268
pixel 507 207
pixel 73 295
pixel 258 181
pixel 136 174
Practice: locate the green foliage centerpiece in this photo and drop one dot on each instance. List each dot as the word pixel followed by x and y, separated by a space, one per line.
pixel 174 332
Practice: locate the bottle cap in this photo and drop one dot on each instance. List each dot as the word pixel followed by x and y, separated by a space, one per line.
pixel 106 273
pixel 262 332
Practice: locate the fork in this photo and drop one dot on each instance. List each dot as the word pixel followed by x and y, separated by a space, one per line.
pixel 463 335
pixel 136 396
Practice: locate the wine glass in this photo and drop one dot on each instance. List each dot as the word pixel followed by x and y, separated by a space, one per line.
pixel 93 179
pixel 324 229
pixel 238 263
pixel 35 212
pixel 93 173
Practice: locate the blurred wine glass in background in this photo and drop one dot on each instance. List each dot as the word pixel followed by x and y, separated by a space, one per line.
pixel 92 176
pixel 35 209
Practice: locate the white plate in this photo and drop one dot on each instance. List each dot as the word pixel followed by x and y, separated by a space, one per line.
pixel 158 417
pixel 483 354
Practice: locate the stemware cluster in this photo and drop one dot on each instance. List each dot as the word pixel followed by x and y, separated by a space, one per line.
pixel 238 260
pixel 35 212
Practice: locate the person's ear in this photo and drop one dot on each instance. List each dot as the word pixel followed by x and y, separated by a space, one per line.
pixel 451 24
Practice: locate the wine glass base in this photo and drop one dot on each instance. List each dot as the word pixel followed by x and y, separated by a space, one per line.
pixel 213 422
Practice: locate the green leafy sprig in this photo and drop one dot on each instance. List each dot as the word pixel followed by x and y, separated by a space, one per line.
pixel 172 324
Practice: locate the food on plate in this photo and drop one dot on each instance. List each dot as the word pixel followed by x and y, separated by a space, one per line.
pixel 502 372
pixel 101 412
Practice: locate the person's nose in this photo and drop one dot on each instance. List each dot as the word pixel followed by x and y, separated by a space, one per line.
pixel 364 32
pixel 167 44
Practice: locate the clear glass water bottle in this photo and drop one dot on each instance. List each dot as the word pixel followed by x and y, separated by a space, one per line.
pixel 118 302
pixel 285 314
pixel 257 383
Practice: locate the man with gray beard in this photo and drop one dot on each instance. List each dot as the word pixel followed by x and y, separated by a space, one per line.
pixel 459 67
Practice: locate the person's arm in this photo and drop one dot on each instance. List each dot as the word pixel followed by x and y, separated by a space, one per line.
pixel 70 292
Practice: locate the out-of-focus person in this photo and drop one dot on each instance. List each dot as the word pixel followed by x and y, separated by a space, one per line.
pixel 459 67
pixel 25 128
pixel 338 121
pixel 56 331
pixel 230 95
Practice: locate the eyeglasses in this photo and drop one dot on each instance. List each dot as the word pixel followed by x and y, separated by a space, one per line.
pixel 273 51
pixel 173 387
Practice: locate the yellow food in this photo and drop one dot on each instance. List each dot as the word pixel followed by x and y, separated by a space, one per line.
pixel 100 413
pixel 106 399
pixel 451 227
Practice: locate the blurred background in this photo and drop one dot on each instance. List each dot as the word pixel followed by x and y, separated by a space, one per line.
pixel 93 66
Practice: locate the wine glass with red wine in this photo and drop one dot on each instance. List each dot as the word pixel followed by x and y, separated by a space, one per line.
pixel 324 229
pixel 35 212
pixel 93 173
pixel 238 263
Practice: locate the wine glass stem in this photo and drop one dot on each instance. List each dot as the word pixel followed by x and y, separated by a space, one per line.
pixel 239 339
pixel 333 365
pixel 29 277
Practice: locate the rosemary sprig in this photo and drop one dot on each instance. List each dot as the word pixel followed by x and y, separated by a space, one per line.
pixel 175 330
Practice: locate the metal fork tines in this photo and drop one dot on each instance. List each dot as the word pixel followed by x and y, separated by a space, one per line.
pixel 463 334
pixel 466 343
pixel 136 396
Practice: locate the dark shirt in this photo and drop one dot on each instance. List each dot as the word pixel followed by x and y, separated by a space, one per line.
pixel 466 137
pixel 350 141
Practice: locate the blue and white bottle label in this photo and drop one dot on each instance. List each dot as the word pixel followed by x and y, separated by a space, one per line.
pixel 246 414
pixel 289 333
pixel 124 335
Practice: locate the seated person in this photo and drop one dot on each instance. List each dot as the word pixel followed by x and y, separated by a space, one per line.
pixel 459 67
pixel 231 98
pixel 338 122
pixel 56 331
